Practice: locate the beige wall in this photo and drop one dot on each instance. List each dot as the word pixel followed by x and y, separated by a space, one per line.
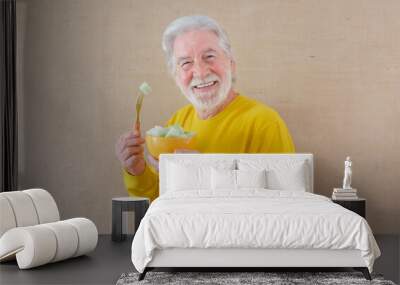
pixel 331 68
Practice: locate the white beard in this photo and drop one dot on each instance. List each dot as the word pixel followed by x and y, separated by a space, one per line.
pixel 208 101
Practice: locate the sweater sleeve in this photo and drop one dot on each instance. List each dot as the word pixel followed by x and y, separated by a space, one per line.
pixel 144 185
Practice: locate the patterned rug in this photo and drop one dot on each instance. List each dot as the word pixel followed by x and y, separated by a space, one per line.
pixel 269 278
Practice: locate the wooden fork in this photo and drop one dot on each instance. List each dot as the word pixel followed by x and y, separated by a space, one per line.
pixel 139 102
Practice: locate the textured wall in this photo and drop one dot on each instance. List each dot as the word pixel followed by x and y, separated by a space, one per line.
pixel 331 68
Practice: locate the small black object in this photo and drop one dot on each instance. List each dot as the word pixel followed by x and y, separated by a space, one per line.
pixel 143 274
pixel 123 204
pixel 364 271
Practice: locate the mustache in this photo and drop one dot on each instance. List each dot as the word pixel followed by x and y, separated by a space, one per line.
pixel 197 81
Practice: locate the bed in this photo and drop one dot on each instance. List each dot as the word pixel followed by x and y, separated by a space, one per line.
pixel 247 210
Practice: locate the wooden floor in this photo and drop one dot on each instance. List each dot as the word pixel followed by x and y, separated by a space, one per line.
pixel 111 259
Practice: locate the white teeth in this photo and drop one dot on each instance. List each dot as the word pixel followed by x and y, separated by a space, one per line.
pixel 205 85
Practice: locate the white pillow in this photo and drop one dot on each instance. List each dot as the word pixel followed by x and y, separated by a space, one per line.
pixel 288 179
pixel 251 178
pixel 282 174
pixel 181 177
pixel 223 179
pixel 236 179
pixel 184 174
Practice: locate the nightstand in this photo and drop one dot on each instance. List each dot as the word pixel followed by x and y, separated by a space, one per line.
pixel 358 206
pixel 126 204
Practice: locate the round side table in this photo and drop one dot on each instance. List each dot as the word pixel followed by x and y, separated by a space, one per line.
pixel 126 204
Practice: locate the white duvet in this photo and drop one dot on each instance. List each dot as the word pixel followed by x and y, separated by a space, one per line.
pixel 251 218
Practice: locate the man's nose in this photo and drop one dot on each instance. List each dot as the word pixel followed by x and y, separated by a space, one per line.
pixel 200 69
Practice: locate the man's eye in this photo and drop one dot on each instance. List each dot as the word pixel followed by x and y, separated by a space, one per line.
pixel 210 56
pixel 185 63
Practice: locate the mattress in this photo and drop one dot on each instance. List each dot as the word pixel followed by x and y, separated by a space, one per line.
pixel 250 219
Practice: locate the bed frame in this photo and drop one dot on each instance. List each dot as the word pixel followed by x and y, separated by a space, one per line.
pixel 245 258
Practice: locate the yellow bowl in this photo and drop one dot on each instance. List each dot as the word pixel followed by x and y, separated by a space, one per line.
pixel 158 145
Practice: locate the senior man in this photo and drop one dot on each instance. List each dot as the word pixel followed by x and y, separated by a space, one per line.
pixel 199 58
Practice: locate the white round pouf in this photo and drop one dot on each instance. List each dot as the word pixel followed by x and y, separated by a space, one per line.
pixel 87 233
pixel 7 215
pixel 67 240
pixel 33 246
pixel 23 208
pixel 46 207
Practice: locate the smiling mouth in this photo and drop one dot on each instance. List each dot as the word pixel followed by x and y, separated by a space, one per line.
pixel 205 85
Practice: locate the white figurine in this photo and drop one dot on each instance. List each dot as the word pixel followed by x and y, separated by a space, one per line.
pixel 347 174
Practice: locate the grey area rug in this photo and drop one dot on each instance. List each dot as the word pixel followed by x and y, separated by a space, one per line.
pixel 273 278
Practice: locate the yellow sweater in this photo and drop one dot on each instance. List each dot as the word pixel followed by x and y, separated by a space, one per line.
pixel 244 126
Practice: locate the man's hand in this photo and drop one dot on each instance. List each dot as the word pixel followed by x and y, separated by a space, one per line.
pixel 129 151
pixel 154 161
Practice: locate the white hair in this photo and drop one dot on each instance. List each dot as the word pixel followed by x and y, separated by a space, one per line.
pixel 190 23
